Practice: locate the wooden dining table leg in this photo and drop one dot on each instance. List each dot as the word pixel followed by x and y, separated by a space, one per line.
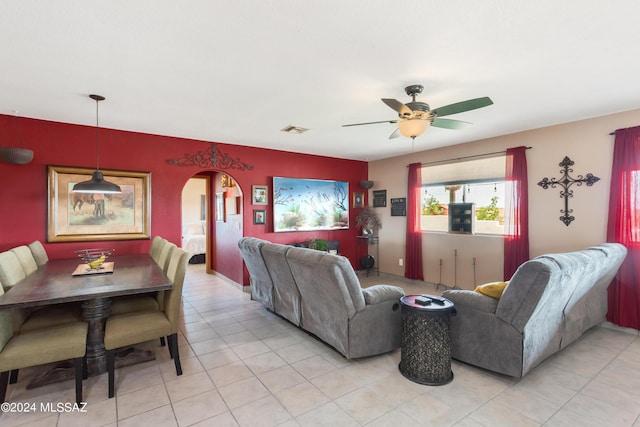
pixel 95 312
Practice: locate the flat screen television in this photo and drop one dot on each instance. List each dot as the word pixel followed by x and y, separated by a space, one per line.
pixel 310 204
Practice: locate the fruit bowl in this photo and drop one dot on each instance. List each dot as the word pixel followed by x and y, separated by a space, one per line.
pixel 94 258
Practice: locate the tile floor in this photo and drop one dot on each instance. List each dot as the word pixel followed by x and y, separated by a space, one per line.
pixel 244 366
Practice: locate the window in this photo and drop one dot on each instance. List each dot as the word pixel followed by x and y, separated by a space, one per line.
pixel 478 181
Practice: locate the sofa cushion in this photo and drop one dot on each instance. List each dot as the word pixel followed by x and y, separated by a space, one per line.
pixel 464 299
pixel 286 297
pixel 330 292
pixel 377 293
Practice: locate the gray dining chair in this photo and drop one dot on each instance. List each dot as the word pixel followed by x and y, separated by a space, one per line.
pixel 11 271
pixel 165 255
pixel 156 247
pixel 148 302
pixel 30 320
pixel 41 346
pixel 27 261
pixel 132 328
pixel 39 253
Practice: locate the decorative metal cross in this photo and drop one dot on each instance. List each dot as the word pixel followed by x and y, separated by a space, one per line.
pixel 566 182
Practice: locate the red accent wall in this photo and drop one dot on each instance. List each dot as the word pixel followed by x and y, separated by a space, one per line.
pixel 24 195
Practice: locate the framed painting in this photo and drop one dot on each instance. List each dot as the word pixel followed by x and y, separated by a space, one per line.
pixel 82 217
pixel 358 200
pixel 259 216
pixel 259 195
pixel 310 204
pixel 379 198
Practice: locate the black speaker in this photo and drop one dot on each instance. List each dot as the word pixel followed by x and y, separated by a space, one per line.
pixel 367 262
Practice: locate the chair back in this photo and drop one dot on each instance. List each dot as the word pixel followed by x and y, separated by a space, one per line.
pixel 6 325
pixel 260 280
pixel 165 256
pixel 26 259
pixel 330 294
pixel 11 271
pixel 176 271
pixel 156 247
pixel 39 253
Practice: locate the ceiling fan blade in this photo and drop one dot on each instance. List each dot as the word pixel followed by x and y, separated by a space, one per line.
pixel 395 134
pixel 371 123
pixel 450 123
pixel 460 107
pixel 398 106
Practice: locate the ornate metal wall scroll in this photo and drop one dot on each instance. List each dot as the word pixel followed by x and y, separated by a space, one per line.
pixel 566 182
pixel 212 157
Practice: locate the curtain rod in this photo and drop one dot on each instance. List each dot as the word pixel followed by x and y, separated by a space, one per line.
pixel 466 157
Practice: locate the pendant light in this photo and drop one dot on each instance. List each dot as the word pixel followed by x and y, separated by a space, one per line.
pixel 96 184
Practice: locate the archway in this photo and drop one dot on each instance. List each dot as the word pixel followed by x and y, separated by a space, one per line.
pixel 223 223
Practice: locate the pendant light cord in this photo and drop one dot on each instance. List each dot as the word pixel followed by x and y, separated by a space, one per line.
pixel 97 138
pixel 15 121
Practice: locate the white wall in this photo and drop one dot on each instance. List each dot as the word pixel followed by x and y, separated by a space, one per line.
pixel 586 142
pixel 191 197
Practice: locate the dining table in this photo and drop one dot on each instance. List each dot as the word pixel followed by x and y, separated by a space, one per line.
pixel 55 283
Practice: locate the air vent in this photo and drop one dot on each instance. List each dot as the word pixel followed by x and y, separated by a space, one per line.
pixel 294 129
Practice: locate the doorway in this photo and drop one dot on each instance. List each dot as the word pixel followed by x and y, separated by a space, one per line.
pixel 215 196
pixel 195 219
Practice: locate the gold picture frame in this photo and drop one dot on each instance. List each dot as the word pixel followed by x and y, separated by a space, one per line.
pixel 83 217
pixel 358 200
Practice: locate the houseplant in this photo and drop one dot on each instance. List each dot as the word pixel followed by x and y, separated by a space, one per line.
pixel 368 220
pixel 318 244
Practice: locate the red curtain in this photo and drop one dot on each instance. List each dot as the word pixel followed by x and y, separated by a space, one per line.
pixel 413 268
pixel 516 214
pixel 624 227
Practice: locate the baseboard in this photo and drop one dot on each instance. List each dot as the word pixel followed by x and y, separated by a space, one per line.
pixel 615 327
pixel 233 282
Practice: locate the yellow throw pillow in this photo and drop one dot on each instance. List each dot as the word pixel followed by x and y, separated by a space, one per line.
pixel 493 290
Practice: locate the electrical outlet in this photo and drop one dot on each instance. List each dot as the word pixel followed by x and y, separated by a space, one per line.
pixel 400 262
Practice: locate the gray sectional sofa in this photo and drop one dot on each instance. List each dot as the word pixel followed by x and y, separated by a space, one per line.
pixel 321 294
pixel 550 301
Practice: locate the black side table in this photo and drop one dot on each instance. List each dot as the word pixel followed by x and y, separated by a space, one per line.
pixel 426 344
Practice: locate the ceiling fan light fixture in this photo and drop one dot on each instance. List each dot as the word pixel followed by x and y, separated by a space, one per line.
pixel 412 128
pixel 97 184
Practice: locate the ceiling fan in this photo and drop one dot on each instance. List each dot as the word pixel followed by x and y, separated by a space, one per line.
pixel 415 117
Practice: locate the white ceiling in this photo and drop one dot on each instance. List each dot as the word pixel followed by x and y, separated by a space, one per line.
pixel 239 71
